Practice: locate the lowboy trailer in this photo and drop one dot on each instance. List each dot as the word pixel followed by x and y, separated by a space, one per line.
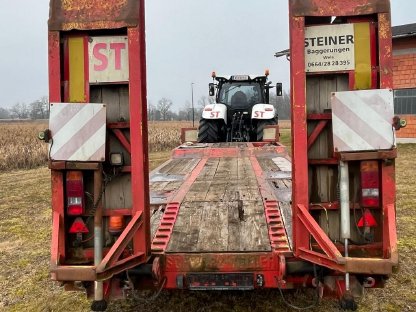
pixel 223 216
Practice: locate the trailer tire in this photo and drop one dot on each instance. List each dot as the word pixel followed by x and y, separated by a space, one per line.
pixel 260 127
pixel 99 306
pixel 209 131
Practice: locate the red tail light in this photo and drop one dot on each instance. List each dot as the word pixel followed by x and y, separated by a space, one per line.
pixel 370 184
pixel 75 193
pixel 78 227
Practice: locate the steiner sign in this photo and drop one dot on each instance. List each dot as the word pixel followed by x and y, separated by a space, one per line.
pixel 108 59
pixel 329 48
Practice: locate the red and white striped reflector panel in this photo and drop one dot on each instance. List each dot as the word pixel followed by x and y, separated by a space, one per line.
pixel 362 120
pixel 78 131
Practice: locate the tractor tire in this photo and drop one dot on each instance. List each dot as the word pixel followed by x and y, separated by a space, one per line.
pixel 209 131
pixel 260 127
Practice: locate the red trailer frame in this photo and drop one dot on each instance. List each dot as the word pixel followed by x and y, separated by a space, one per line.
pixel 78 18
pixel 303 222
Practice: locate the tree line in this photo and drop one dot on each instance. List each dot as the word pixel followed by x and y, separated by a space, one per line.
pixel 162 110
pixel 38 109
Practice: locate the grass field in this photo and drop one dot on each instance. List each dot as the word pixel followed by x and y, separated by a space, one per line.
pixel 25 222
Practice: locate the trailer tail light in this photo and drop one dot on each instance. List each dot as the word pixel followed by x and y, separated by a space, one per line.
pixel 78 226
pixel 370 184
pixel 115 225
pixel 75 193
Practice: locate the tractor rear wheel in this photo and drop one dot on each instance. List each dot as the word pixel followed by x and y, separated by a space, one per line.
pixel 209 131
pixel 260 127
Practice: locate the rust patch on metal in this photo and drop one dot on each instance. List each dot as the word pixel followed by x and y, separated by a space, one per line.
pixel 93 14
pixel 338 8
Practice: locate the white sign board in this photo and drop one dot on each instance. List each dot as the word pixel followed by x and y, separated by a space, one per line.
pixel 329 48
pixel 108 59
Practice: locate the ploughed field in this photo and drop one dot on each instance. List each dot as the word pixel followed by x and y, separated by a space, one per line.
pixel 25 222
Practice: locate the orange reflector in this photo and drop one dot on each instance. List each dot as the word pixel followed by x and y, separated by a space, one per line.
pixel 78 227
pixel 116 224
pixel 367 220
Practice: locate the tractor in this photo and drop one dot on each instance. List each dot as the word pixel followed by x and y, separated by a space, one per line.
pixel 241 109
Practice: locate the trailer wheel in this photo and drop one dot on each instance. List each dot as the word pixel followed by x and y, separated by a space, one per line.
pixel 209 131
pixel 99 305
pixel 260 127
pixel 347 303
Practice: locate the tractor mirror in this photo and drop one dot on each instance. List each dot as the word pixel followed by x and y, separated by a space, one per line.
pixel 279 91
pixel 211 89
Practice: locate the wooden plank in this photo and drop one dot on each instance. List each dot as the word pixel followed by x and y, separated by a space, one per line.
pixel 118 195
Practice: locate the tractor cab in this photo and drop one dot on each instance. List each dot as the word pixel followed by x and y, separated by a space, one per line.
pixel 241 109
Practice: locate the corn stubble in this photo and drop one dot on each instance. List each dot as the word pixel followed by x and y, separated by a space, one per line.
pixel 21 149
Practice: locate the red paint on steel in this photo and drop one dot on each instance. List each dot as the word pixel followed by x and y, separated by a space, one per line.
pixel 138 132
pixel 373 57
pixel 323 162
pixel 118 125
pixel 120 245
pixel 385 56
pixel 58 226
pixel 299 129
pixel 390 235
pixel 86 71
pixel 323 116
pixel 388 191
pixel 186 186
pixel 161 239
pixel 316 132
pixel 165 229
pixel 65 69
pixel 318 234
pixel 54 63
pixel 277 231
pixel 123 140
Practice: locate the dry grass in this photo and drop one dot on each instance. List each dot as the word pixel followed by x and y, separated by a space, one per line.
pixel 19 146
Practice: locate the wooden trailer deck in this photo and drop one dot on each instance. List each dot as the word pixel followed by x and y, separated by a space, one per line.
pixel 231 197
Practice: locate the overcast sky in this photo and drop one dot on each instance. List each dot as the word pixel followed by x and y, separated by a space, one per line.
pixel 186 41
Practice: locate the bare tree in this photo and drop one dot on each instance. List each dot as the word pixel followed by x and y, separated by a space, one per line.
pixel 4 113
pixel 163 106
pixel 40 108
pixel 282 105
pixel 151 111
pixel 19 111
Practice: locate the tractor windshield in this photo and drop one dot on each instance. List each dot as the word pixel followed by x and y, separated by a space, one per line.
pixel 240 95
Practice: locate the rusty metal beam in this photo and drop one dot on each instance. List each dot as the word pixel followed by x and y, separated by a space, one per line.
pixel 322 8
pixel 93 14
